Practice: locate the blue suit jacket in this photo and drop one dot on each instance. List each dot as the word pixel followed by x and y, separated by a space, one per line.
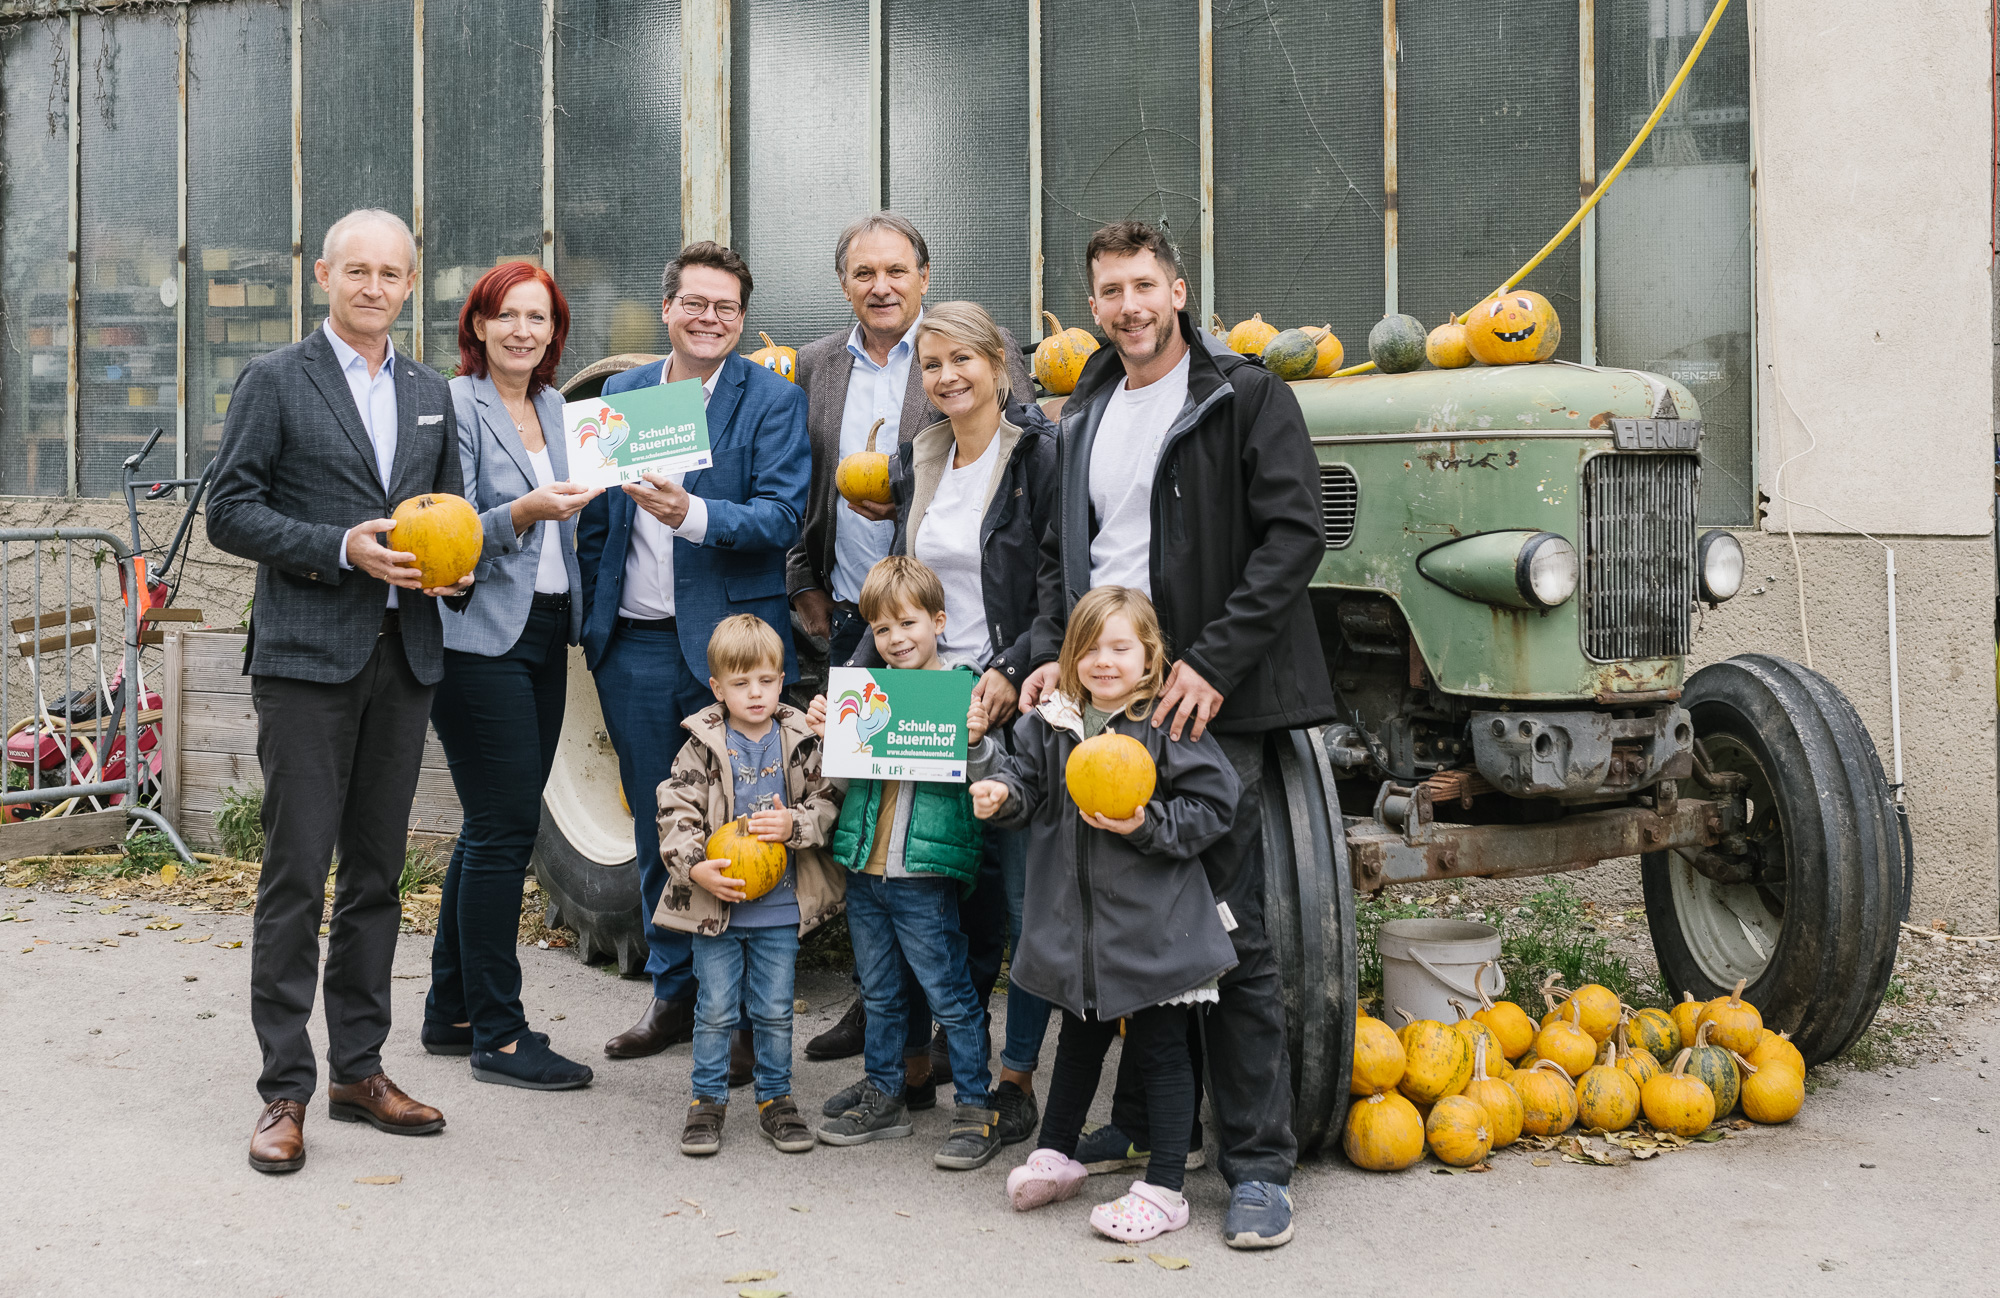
pixel 756 495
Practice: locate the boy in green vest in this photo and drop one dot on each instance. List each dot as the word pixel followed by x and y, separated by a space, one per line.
pixel 911 848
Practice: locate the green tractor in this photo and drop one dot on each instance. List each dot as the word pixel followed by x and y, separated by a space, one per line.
pixel 1512 582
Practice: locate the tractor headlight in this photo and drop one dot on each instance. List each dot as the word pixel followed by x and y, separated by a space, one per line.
pixel 1721 565
pixel 1546 570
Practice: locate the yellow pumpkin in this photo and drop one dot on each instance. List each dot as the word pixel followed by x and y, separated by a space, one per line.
pixel 1600 1010
pixel 1777 1048
pixel 1513 328
pixel 1439 1062
pixel 1330 351
pixel 1497 1066
pixel 1446 348
pixel 1472 1030
pixel 1548 1099
pixel 1059 357
pixel 1773 1093
pixel 1676 1102
pixel 1607 1099
pixel 1250 336
pixel 443 531
pixel 1565 1044
pixel 1733 1022
pixel 1527 1060
pixel 781 361
pixel 1652 1031
pixel 759 866
pixel 1687 1017
pixel 1639 1065
pixel 1458 1131
pixel 1378 1057
pixel 1509 1022
pixel 1497 1096
pixel 1716 1069
pixel 1110 775
pixel 1383 1134
pixel 864 475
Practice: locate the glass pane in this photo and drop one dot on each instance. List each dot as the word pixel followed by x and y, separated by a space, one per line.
pixel 239 204
pixel 127 243
pixel 357 128
pixel 1298 165
pixel 1121 125
pixel 1487 155
pixel 482 152
pixel 957 146
pixel 34 254
pixel 1673 235
pixel 798 127
pixel 618 186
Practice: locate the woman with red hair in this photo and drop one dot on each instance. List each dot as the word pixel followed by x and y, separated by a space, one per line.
pixel 499 709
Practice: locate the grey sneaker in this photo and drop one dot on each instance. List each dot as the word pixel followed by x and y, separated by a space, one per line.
pixel 974 1139
pixel 916 1098
pixel 781 1124
pixel 874 1116
pixel 703 1133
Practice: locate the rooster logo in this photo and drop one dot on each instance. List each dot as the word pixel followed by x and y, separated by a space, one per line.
pixel 869 707
pixel 610 430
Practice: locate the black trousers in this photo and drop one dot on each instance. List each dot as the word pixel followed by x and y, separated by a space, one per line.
pixel 1156 1054
pixel 340 769
pixel 1249 1070
pixel 499 718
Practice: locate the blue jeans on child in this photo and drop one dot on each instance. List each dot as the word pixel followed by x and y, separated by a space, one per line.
pixel 917 916
pixel 1027 1013
pixel 744 968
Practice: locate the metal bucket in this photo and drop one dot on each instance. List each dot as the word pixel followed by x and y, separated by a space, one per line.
pixel 1428 962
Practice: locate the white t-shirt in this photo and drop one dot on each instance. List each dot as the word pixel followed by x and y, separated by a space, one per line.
pixel 1123 459
pixel 948 540
pixel 551 578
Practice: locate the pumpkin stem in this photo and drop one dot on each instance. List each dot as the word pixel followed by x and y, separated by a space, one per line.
pixel 1550 1064
pixel 1408 1018
pixel 1055 325
pixel 1741 1062
pixel 1456 1004
pixel 767 340
pixel 1701 1033
pixel 1479 1059
pixel 1681 1061
pixel 1736 997
pixel 1215 326
pixel 1686 997
pixel 1478 983
pixel 873 429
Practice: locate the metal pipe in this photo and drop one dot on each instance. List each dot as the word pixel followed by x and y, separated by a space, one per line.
pixel 1586 133
pixel 1391 218
pixel 549 136
pixel 181 260
pixel 70 481
pixel 1035 300
pixel 1205 37
pixel 298 171
pixel 417 177
pixel 878 89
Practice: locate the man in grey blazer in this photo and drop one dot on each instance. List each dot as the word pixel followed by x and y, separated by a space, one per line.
pixel 322 440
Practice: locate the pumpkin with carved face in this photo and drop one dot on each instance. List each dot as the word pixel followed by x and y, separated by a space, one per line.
pixel 1513 329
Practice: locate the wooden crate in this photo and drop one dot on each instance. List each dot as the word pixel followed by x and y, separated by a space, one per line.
pixel 211 740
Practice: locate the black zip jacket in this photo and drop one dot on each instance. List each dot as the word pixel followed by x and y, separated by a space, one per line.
pixel 1236 536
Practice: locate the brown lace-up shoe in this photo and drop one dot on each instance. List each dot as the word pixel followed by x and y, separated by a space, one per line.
pixel 278 1142
pixel 381 1103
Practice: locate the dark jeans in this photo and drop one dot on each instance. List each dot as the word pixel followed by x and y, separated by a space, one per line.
pixel 916 920
pixel 1027 1013
pixel 845 629
pixel 738 968
pixel 340 770
pixel 499 719
pixel 1249 1070
pixel 1156 1052
pixel 646 690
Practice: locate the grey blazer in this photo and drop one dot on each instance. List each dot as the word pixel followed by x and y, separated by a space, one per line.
pixel 295 470
pixel 823 370
pixel 497 473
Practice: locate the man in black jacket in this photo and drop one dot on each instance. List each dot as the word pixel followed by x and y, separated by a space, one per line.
pixel 1187 472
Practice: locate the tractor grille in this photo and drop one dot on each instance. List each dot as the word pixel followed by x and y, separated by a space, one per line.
pixel 1639 555
pixel 1338 496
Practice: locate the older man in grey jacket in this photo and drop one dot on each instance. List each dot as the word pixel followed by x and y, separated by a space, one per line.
pixel 323 438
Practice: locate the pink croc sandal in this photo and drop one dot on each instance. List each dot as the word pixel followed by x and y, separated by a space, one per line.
pixel 1146 1212
pixel 1046 1177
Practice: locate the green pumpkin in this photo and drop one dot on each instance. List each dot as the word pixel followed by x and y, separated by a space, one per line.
pixel 1291 355
pixel 1396 344
pixel 1713 1065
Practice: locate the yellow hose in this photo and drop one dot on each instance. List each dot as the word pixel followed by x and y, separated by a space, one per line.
pixel 1603 186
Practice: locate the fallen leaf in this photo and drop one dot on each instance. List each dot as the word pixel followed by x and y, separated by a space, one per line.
pixel 165 925
pixel 1446 1169
pixel 1543 1162
pixel 128 932
pixel 720 1233
pixel 749 1277
pixel 195 941
pixel 379 1180
pixel 675 1213
pixel 168 873
pixel 1710 1136
pixel 1121 1257
pixel 108 910
pixel 1579 1150
pixel 107 941
pixel 1170 1263
pixel 901 1213
pixel 1739 1125
pixel 228 946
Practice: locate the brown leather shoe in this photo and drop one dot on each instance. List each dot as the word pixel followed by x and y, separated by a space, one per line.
pixel 742 1057
pixel 381 1103
pixel 664 1023
pixel 278 1143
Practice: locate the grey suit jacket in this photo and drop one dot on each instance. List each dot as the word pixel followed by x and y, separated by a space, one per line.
pixel 823 370
pixel 497 473
pixel 295 470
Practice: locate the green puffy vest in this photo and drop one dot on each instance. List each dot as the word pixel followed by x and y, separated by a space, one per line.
pixel 944 836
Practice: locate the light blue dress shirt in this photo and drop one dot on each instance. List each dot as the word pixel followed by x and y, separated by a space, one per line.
pixel 375 398
pixel 873 392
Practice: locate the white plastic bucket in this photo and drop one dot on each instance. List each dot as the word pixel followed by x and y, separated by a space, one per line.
pixel 1427 963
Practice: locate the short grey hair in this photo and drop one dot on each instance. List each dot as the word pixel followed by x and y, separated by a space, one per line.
pixel 361 216
pixel 880 221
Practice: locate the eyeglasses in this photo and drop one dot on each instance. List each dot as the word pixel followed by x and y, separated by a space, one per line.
pixel 696 307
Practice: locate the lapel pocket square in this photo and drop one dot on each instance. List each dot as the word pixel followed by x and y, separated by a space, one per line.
pixel 429 419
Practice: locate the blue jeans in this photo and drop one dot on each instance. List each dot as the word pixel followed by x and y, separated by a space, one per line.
pixel 646 691
pixel 915 919
pixel 734 968
pixel 1027 1013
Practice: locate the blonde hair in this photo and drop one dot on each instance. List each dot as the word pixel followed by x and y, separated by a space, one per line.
pixel 968 324
pixel 1086 624
pixel 743 643
pixel 899 582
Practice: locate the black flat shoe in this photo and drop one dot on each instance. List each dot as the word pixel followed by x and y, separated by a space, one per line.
pixel 845 1039
pixel 532 1067
pixel 449 1039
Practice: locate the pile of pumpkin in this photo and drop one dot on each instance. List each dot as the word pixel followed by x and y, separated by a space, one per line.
pixel 1516 328
pixel 1466 1088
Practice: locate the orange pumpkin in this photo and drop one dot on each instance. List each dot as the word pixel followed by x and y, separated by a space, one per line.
pixel 781 361
pixel 759 866
pixel 1249 336
pixel 1607 1099
pixel 1458 1132
pixel 1565 1044
pixel 1446 347
pixel 1378 1057
pixel 1548 1099
pixel 443 531
pixel 1734 1022
pixel 1383 1133
pixel 1637 1062
pixel 1439 1062
pixel 1687 1017
pixel 1473 1030
pixel 1059 357
pixel 1110 775
pixel 1512 329
pixel 1777 1048
pixel 1509 1022
pixel 864 475
pixel 1678 1103
pixel 1773 1093
pixel 1498 1097
pixel 1330 351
